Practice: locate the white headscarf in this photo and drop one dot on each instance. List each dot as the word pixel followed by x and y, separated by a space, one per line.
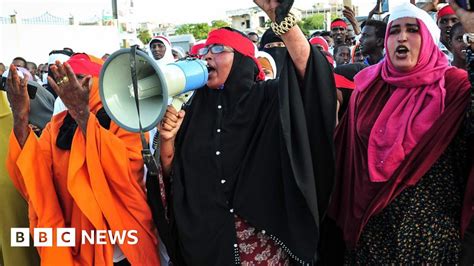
pixel 270 59
pixel 168 57
pixel 411 11
pixel 180 51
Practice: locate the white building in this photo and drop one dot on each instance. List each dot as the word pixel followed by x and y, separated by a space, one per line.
pixel 248 19
pixel 251 19
pixel 33 38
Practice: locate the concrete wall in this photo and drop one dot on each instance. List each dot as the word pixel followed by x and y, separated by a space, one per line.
pixel 34 42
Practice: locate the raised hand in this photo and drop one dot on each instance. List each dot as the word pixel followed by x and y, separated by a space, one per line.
pixel 350 15
pixel 294 39
pixel 17 93
pixel 466 17
pixel 269 7
pixel 73 92
pixel 168 129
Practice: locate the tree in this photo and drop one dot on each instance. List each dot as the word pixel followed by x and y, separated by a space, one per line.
pixel 198 30
pixel 215 24
pixel 303 27
pixel 144 36
pixel 313 22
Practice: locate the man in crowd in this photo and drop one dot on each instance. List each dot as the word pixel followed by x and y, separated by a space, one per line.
pixel 445 19
pixel 372 41
pixel 34 71
pixel 339 31
pixel 19 62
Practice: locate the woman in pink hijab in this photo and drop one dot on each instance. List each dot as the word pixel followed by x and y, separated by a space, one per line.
pixel 404 181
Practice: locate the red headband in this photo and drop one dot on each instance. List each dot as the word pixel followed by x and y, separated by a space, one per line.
pixel 447 10
pixel 238 43
pixel 321 41
pixel 339 23
pixel 83 64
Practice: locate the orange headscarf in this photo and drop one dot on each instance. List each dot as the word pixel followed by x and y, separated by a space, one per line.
pixel 96 185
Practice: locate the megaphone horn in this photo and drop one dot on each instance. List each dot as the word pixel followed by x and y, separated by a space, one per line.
pixel 156 85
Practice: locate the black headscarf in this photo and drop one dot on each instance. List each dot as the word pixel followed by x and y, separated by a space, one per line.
pixel 278 53
pixel 232 158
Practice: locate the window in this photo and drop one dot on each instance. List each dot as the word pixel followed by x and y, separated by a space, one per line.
pixel 261 21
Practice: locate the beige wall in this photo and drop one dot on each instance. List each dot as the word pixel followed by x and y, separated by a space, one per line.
pixel 34 42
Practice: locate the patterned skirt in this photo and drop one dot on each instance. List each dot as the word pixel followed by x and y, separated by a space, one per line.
pixel 257 248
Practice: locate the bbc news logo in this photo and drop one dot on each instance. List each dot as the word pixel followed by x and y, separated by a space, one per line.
pixel 66 237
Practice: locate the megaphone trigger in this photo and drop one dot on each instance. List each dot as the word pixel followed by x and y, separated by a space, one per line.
pixel 180 100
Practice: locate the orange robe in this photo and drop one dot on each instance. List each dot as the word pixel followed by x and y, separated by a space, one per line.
pixel 97 185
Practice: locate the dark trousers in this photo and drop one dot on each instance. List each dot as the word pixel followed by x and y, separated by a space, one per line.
pixel 123 262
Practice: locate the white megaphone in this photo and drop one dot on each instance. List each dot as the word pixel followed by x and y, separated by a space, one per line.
pixel 156 84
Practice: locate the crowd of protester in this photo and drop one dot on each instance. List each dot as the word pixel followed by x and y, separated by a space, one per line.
pixel 349 146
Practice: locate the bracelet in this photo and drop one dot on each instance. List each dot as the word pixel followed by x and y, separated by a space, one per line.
pixel 284 26
pixel 468 38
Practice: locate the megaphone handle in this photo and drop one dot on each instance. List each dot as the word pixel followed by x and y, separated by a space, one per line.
pixel 179 100
pixel 177 103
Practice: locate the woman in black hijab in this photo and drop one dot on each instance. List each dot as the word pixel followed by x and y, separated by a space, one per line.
pixel 252 163
pixel 274 45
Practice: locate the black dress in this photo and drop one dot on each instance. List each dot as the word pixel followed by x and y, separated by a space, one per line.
pixel 259 150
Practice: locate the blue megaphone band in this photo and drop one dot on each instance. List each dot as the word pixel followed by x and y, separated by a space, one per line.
pixel 195 72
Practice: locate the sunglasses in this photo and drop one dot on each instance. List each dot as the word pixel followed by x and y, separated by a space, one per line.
pixel 215 49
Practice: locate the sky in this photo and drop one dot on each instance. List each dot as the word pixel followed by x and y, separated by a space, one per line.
pixel 170 11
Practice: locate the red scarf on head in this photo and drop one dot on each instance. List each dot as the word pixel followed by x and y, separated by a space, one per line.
pixel 447 10
pixel 238 43
pixel 339 23
pixel 85 64
pixel 195 49
pixel 321 41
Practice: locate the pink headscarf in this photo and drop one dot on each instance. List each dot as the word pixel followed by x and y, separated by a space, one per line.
pixel 415 104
